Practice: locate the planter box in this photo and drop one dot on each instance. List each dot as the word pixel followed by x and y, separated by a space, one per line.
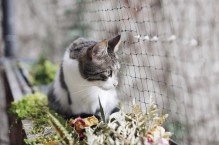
pixel 17 85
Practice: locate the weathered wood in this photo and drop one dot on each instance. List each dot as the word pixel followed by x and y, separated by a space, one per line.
pixel 13 83
pixel 23 85
pixel 4 139
pixel 17 88
pixel 13 93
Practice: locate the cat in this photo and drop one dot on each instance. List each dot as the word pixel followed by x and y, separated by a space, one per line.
pixel 88 71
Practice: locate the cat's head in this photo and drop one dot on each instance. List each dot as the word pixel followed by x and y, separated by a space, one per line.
pixel 98 62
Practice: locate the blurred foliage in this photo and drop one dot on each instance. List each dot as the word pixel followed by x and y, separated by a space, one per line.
pixel 177 128
pixel 42 72
pixel 78 28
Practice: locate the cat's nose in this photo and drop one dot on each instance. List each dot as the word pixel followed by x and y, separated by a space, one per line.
pixel 115 84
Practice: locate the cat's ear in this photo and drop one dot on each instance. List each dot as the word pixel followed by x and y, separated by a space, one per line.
pixel 71 54
pixel 114 43
pixel 100 49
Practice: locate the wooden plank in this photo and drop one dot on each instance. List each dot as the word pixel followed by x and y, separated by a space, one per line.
pixel 13 92
pixel 4 138
pixel 13 83
pixel 23 85
pixel 18 87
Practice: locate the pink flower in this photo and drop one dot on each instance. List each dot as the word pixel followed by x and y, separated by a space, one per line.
pixel 150 140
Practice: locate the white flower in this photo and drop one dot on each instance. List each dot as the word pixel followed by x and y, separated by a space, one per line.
pixel 155 38
pixel 171 38
pixel 193 42
pixel 146 37
pixel 163 141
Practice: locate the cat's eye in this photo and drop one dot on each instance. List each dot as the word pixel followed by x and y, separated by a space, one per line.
pixel 104 77
pixel 109 73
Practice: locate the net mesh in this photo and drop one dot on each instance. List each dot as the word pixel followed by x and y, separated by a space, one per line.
pixel 168 51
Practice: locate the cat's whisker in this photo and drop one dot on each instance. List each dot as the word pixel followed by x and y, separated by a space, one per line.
pixel 83 97
pixel 91 85
pixel 80 83
pixel 82 90
pixel 84 81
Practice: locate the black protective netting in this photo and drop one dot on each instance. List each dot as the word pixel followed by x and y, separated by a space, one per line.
pixel 169 50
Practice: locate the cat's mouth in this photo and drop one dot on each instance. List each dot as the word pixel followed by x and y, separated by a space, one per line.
pixel 106 88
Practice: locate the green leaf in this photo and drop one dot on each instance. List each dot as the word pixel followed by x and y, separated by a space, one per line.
pixel 102 111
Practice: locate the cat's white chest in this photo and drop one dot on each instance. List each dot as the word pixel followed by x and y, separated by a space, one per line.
pixel 88 102
pixel 84 94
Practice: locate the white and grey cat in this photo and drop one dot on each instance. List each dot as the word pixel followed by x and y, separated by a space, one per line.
pixel 88 71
